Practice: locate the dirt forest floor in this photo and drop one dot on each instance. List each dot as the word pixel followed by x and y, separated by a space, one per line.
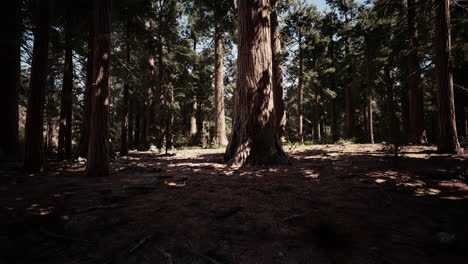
pixel 333 204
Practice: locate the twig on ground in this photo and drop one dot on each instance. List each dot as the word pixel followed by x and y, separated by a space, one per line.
pixel 166 255
pixel 89 209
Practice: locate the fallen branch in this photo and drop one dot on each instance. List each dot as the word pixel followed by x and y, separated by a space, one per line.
pixel 166 255
pixel 140 243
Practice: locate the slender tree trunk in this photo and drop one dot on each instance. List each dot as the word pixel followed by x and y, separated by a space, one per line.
pixel 405 106
pixel 300 95
pixel 448 138
pixel 98 150
pixel 86 117
pixel 333 115
pixel 193 113
pixel 416 97
pixel 131 122
pixel 10 62
pixel 349 104
pixel 137 127
pixel 278 85
pixel 317 121
pixel 220 123
pixel 370 87
pixel 255 138
pixel 34 152
pixel 126 104
pixel 161 92
pixel 149 104
pixel 66 105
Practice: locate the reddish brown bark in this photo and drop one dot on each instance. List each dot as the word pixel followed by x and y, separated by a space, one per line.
pixel 255 138
pixel 66 105
pixel 416 97
pixel 278 84
pixel 220 122
pixel 370 87
pixel 34 152
pixel 10 64
pixel 98 150
pixel 448 138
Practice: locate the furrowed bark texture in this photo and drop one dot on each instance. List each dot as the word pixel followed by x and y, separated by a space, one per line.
pixel 220 122
pixel 255 138
pixel 448 138
pixel 98 150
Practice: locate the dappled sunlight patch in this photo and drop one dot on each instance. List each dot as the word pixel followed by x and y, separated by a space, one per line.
pixel 426 192
pixel 175 184
pixel 310 174
pixel 454 184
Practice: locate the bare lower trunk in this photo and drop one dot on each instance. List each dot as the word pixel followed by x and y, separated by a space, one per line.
pixel 448 138
pixel 34 152
pixel 193 118
pixel 149 105
pixel 333 121
pixel 255 138
pixel 11 57
pixel 98 150
pixel 349 102
pixel 219 137
pixel 66 106
pixel 278 84
pixel 317 115
pixel 416 118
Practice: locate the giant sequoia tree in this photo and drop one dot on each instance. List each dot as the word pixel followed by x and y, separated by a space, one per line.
pixel 34 153
pixel 255 137
pixel 98 149
pixel 448 138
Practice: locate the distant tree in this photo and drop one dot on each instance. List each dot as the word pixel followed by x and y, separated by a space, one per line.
pixel 66 105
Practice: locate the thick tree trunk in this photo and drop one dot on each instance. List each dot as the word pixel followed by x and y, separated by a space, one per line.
pixel 98 150
pixel 10 62
pixel 300 95
pixel 219 137
pixel 278 84
pixel 417 133
pixel 448 138
pixel 124 125
pixel 255 138
pixel 66 105
pixel 86 117
pixel 34 152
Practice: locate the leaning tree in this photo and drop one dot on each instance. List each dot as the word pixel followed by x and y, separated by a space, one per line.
pixel 255 136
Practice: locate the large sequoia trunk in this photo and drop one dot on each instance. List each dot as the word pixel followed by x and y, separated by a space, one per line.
pixel 65 128
pixel 416 98
pixel 86 118
pixel 255 138
pixel 11 57
pixel 448 138
pixel 34 152
pixel 98 150
pixel 220 122
pixel 278 84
